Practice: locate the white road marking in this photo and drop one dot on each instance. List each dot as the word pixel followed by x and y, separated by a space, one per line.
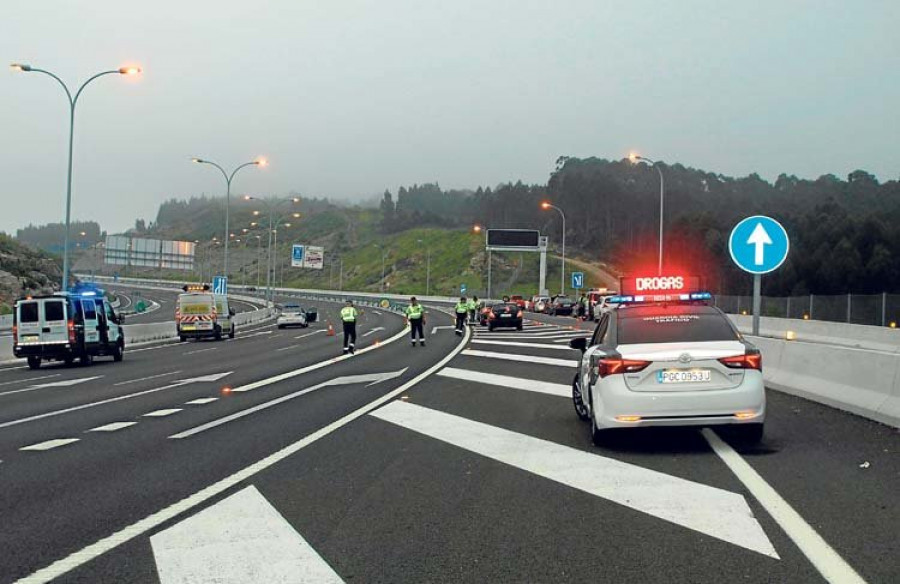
pixel 201 401
pixel 112 427
pixel 374 330
pixel 63 383
pixel 162 413
pixel 376 312
pixel 521 358
pixel 557 389
pixel 205 378
pixel 251 335
pixel 28 380
pixel 142 526
pixel 370 379
pixel 50 444
pixel 146 378
pixel 435 329
pixel 201 351
pixel 825 559
pixel 709 510
pixel 242 539
pixel 310 334
pixel 515 344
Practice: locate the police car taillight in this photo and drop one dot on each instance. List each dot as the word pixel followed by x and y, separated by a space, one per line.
pixel 70 325
pixel 15 331
pixel 607 367
pixel 751 360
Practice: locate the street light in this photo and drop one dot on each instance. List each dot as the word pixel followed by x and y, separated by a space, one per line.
pixel 383 255
pixel 635 158
pixel 562 277
pixel 478 229
pixel 271 206
pixel 73 101
pixel 261 162
pixel 427 267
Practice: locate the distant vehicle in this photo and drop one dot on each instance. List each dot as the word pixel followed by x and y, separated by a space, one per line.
pixel 203 315
pixel 595 296
pixel 668 362
pixel 561 304
pixel 67 326
pixel 292 315
pixel 505 315
pixel 483 315
pixel 518 301
pixel 605 304
pixel 538 303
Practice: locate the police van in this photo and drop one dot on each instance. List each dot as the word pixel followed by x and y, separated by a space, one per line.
pixel 66 326
pixel 201 314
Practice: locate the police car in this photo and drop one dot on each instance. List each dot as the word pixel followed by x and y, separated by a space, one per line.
pixel 80 324
pixel 665 357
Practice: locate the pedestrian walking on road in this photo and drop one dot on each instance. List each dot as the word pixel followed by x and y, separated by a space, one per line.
pixel 349 314
pixel 461 310
pixel 415 316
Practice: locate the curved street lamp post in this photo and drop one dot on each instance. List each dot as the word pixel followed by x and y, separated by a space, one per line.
pixel 635 158
pixel 562 275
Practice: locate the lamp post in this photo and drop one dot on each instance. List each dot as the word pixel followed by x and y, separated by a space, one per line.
pixel 562 275
pixel 479 229
pixel 427 268
pixel 274 222
pixel 228 178
pixel 635 158
pixel 383 255
pixel 73 101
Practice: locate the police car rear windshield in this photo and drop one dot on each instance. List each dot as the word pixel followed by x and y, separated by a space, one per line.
pixel 672 324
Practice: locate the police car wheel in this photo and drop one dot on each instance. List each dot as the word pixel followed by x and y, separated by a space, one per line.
pixel 231 334
pixel 86 360
pixel 577 399
pixel 34 362
pixel 748 434
pixel 118 352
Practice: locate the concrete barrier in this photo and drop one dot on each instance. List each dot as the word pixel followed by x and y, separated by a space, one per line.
pixel 864 382
pixel 836 333
pixel 6 322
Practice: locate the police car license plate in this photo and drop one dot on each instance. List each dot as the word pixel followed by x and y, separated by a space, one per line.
pixel 684 376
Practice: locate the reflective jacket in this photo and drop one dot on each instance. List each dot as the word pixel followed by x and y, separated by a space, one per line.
pixel 349 314
pixel 415 311
pixel 462 307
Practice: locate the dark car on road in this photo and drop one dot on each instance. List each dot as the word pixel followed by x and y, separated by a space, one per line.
pixel 505 315
pixel 561 304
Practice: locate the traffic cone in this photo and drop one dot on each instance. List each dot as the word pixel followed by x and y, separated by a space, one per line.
pixel 330 330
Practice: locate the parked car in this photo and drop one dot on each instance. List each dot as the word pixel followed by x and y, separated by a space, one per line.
pixel 505 315
pixel 562 305
pixel 292 315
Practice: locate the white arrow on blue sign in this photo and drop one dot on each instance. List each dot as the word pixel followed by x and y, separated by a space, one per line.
pixel 220 285
pixel 578 280
pixel 759 244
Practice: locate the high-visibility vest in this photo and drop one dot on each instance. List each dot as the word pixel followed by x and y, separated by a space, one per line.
pixel 462 307
pixel 472 305
pixel 415 311
pixel 349 314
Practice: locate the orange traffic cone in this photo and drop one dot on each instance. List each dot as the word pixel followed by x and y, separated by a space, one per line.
pixel 330 330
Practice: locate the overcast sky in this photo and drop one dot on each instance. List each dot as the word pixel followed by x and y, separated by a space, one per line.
pixel 347 98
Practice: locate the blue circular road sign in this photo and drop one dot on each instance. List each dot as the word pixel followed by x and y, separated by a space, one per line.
pixel 758 244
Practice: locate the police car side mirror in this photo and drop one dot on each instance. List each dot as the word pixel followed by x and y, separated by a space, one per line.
pixel 579 343
pixel 120 319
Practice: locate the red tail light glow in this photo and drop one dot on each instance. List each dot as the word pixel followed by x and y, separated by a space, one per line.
pixel 619 366
pixel 15 330
pixel 71 327
pixel 752 360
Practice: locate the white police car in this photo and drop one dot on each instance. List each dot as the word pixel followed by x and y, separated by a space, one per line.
pixel 664 357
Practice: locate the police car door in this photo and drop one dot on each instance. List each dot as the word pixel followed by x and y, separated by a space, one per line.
pixel 54 326
pixel 113 329
pixel 588 368
pixel 28 321
pixel 91 325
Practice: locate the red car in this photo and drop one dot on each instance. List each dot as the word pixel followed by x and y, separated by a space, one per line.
pixel 518 301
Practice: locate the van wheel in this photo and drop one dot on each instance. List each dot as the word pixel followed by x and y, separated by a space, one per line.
pixel 182 338
pixel 34 362
pixel 86 360
pixel 231 334
pixel 68 361
pixel 519 327
pixel 118 352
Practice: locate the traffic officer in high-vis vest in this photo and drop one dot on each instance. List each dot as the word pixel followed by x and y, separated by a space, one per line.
pixel 461 310
pixel 349 314
pixel 415 316
pixel 473 308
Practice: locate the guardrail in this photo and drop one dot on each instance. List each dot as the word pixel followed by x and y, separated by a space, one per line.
pixel 834 333
pixel 6 322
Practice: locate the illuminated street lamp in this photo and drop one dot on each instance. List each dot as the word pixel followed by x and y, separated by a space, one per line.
pixel 260 162
pixel 635 158
pixel 562 277
pixel 73 101
pixel 272 206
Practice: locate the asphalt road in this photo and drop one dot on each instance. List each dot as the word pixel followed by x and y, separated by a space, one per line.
pixel 432 472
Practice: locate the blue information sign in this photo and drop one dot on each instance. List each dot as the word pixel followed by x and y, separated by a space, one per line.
pixel 463 288
pixel 297 256
pixel 220 285
pixel 578 280
pixel 759 244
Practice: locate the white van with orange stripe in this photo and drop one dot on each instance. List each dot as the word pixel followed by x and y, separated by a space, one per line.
pixel 203 315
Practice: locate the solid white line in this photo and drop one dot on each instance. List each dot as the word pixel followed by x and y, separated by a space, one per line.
pixel 256 334
pixel 515 344
pixel 521 358
pixel 557 389
pixel 29 380
pixel 825 559
pixel 146 378
pixel 112 427
pixel 709 510
pixel 310 334
pixel 50 444
pixel 162 413
pixel 102 546
pixel 241 539
pixel 201 401
pixel 201 351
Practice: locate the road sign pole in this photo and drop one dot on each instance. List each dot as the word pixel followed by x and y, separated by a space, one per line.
pixel 757 302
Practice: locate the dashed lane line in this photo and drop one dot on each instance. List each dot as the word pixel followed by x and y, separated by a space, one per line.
pixel 28 380
pixel 515 344
pixel 112 427
pixel 49 444
pixel 130 381
pixel 825 559
pixel 201 351
pixel 557 389
pixel 201 401
pixel 162 413
pixel 521 358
